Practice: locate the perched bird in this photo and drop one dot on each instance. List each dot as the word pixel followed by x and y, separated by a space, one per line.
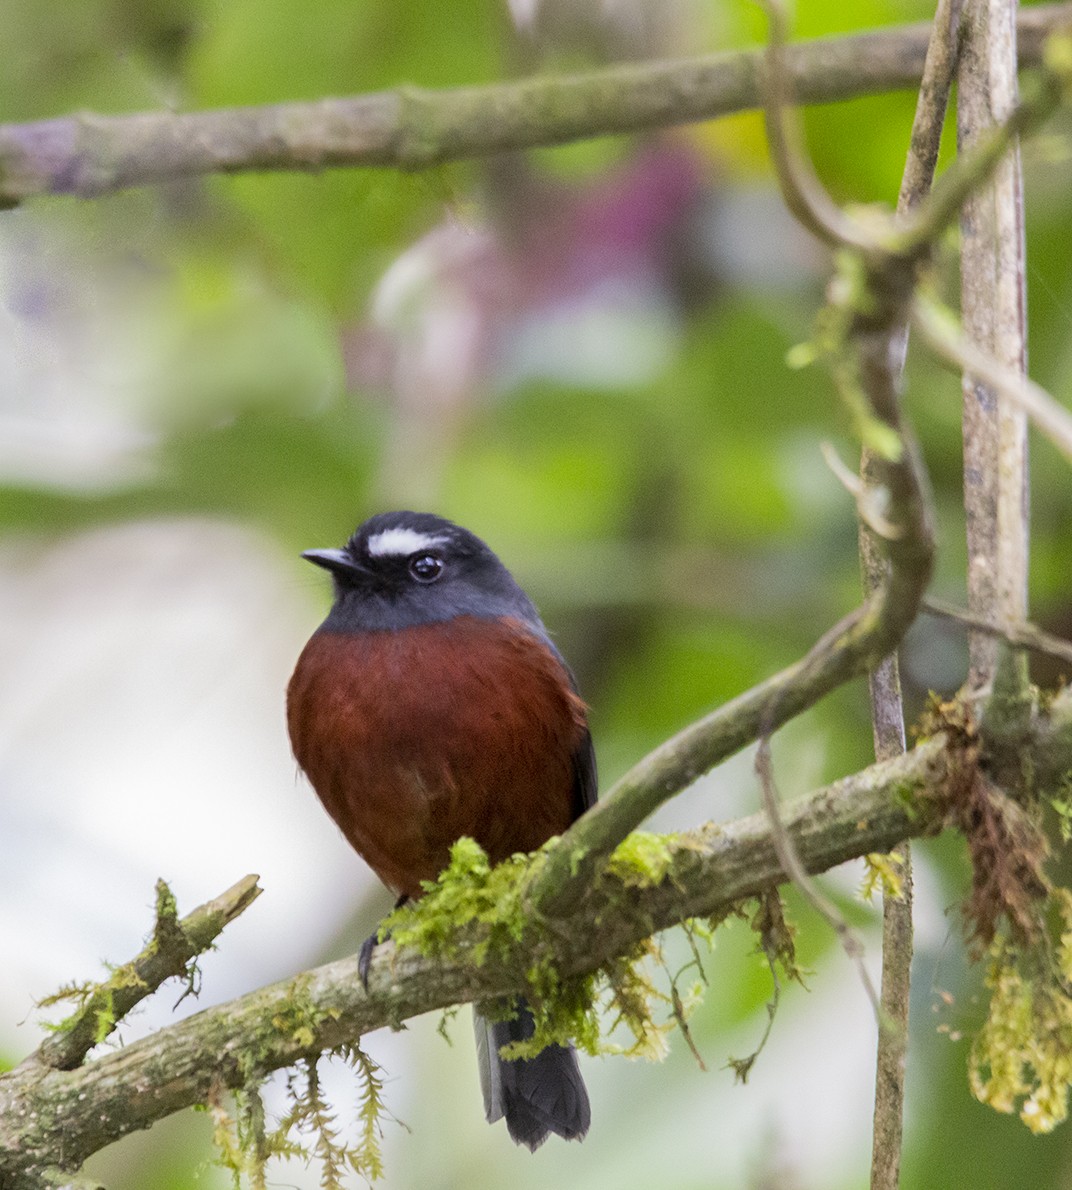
pixel 431 704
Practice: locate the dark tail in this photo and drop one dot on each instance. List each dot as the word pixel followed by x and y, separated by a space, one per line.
pixel 536 1095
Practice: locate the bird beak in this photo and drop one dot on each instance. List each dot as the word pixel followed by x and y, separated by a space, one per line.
pixel 339 562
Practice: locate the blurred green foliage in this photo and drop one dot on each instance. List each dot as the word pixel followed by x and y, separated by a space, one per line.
pixel 681 533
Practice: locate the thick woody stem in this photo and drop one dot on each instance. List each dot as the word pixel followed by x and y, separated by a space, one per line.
pixel 993 305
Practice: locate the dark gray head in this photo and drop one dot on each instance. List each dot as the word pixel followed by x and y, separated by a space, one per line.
pixel 405 568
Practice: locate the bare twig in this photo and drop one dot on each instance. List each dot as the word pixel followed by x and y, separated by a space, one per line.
pixel 1024 635
pixel 867 505
pixel 891 1056
pixel 941 333
pixel 887 708
pixel 804 194
pixel 414 128
pixel 938 70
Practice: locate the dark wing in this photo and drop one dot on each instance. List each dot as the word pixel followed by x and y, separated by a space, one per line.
pixel 585 782
pixel 585 778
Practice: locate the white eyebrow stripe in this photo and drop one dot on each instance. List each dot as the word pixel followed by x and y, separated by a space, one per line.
pixel 401 542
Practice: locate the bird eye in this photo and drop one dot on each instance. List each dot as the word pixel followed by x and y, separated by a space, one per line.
pixel 425 568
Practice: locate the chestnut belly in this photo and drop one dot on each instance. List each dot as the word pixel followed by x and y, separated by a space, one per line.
pixel 414 738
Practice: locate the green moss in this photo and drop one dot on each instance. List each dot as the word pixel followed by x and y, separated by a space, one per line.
pixel 468 892
pixel 1021 1059
pixel 883 874
pixel 167 908
pixel 642 859
pixel 1061 801
pixel 78 994
pixel 298 1018
pixel 308 1130
pixel 776 942
pixel 95 1001
pixel 167 932
pixel 911 797
pixel 586 1010
pixel 851 299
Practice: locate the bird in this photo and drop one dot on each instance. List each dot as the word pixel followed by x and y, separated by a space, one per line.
pixel 432 704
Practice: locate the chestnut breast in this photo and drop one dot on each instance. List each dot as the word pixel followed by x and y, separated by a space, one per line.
pixel 413 738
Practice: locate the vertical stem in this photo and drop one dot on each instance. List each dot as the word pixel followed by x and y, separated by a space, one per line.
pixel 887 710
pixel 887 716
pixel 993 305
pixel 892 1050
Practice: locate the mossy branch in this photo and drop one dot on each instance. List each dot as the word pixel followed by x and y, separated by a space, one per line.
pixel 51 1118
pixel 46 1113
pixel 414 128
pixel 169 954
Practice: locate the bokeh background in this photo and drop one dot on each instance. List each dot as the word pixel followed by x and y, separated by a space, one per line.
pixel 579 354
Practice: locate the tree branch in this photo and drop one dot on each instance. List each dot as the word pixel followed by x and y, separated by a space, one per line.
pixel 296 1019
pixel 868 304
pixel 1022 636
pixel 884 682
pixel 169 954
pixel 50 1117
pixel 802 191
pixel 994 314
pixel 414 128
pixel 53 1116
pixel 940 331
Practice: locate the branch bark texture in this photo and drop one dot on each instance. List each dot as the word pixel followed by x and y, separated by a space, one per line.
pixel 414 128
pixel 887 707
pixel 994 315
pixel 168 954
pixel 53 1118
